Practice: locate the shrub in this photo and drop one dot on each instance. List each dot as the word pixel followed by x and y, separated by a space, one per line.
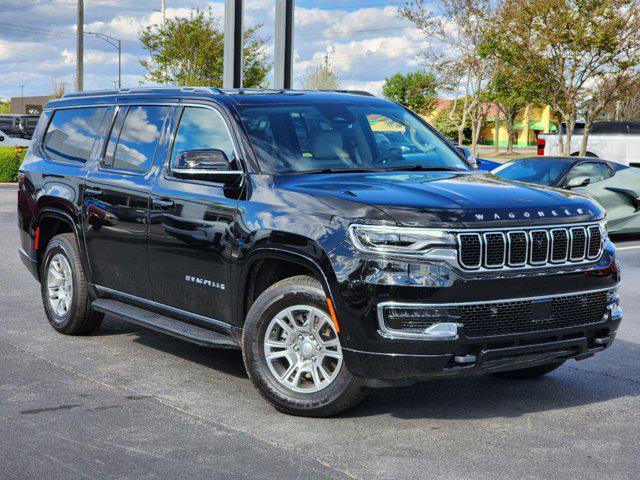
pixel 10 162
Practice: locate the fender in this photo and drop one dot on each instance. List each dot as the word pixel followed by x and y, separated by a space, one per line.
pixel 322 267
pixel 58 214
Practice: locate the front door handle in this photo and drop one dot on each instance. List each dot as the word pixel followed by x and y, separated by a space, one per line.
pixel 93 191
pixel 163 203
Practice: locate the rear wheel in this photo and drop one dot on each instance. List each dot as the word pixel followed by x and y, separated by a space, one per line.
pixel 293 354
pixel 530 372
pixel 64 290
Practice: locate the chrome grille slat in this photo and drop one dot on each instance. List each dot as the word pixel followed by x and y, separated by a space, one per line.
pixel 578 250
pixel 559 245
pixel 552 246
pixel 538 247
pixel 495 249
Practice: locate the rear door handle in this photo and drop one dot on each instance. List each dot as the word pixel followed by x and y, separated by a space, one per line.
pixel 163 203
pixel 93 191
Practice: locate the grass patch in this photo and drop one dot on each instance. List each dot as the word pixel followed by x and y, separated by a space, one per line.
pixel 10 161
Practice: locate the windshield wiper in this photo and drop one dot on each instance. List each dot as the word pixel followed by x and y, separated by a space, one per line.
pixel 424 168
pixel 338 170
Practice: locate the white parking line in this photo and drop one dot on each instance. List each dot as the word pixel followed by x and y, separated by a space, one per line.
pixel 633 247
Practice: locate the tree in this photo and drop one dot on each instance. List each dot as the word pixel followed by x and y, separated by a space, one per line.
pixel 567 46
pixel 190 51
pixel 511 93
pixel 321 77
pixel 415 90
pixel 624 108
pixel 604 92
pixel 447 121
pixel 5 107
pixel 58 87
pixel 458 30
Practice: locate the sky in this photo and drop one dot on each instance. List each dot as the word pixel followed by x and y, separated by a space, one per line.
pixel 366 40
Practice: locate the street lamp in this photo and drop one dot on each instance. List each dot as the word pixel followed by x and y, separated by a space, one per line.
pixel 117 43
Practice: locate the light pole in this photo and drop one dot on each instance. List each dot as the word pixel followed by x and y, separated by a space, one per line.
pixel 80 47
pixel 22 99
pixel 114 42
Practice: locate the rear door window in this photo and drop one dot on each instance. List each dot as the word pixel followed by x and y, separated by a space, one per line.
pixel 134 137
pixel 72 133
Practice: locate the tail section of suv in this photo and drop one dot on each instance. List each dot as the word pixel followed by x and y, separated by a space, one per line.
pixel 284 223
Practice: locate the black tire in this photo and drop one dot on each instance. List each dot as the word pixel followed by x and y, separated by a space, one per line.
pixel 342 393
pixel 530 372
pixel 80 319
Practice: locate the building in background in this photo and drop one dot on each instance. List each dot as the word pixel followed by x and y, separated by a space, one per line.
pixel 530 122
pixel 29 105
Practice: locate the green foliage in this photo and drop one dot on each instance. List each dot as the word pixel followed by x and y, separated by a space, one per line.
pixel 447 122
pixel 10 162
pixel 190 51
pixel 415 90
pixel 5 107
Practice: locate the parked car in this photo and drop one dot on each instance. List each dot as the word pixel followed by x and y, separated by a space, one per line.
pixel 18 126
pixel 616 187
pixel 275 223
pixel 615 141
pixel 479 163
pixel 7 140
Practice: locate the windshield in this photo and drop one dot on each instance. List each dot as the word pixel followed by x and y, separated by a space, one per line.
pixel 297 138
pixel 533 170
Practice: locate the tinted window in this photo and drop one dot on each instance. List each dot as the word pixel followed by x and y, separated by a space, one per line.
pixel 533 170
pixel 116 128
pixel 201 128
pixel 134 137
pixel 72 133
pixel 596 172
pixel 342 136
pixel 611 128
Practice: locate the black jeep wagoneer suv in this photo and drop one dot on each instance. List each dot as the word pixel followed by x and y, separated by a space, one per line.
pixel 337 239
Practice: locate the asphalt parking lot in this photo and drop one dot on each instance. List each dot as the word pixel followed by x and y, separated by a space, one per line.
pixel 131 403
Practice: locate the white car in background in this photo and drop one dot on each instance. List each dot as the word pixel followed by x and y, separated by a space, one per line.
pixel 9 141
pixel 615 141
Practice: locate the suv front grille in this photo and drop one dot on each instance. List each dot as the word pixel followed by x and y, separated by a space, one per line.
pixel 522 316
pixel 539 247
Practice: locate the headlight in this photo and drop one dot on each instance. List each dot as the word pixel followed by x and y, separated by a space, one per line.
pixel 400 241
pixel 603 229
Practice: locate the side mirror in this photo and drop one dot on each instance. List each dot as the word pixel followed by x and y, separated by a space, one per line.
pixel 466 153
pixel 577 182
pixel 205 164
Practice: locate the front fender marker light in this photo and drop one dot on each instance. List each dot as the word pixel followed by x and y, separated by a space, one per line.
pixel 36 239
pixel 332 313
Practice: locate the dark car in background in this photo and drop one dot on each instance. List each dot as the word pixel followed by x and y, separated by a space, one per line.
pixel 281 223
pixel 616 187
pixel 18 126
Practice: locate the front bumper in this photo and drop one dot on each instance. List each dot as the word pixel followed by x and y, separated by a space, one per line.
pixel 461 355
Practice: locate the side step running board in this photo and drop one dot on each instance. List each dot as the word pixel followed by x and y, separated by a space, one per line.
pixel 164 324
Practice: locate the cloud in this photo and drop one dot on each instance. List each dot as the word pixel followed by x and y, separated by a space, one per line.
pixel 138 128
pixel 365 44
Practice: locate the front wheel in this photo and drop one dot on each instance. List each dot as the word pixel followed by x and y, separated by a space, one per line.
pixel 292 352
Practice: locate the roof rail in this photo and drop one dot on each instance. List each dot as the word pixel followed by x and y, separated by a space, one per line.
pixel 352 92
pixel 95 93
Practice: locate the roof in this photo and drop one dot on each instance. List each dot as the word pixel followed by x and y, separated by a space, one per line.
pixel 237 96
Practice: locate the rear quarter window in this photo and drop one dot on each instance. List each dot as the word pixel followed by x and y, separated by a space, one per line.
pixel 72 133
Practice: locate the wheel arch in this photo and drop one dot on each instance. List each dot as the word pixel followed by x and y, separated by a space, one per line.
pixel 54 219
pixel 280 263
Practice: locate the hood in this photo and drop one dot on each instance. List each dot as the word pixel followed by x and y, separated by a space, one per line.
pixel 461 198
